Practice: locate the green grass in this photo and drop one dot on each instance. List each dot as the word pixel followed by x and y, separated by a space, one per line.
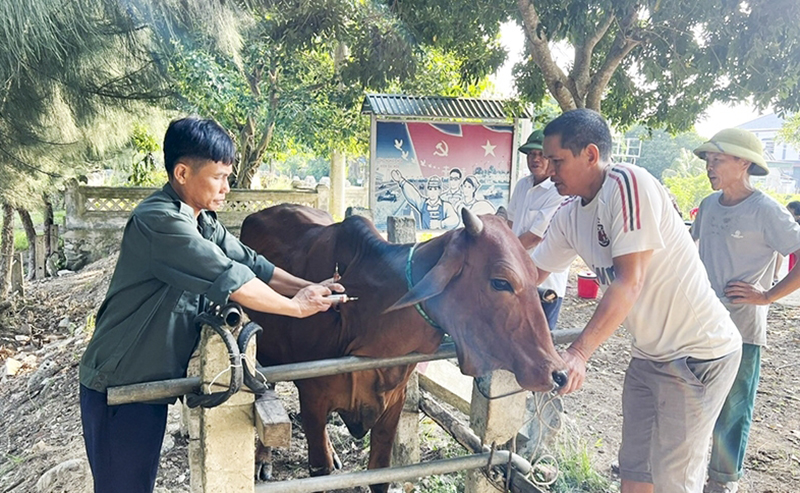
pixel 20 240
pixel 13 461
pixel 576 473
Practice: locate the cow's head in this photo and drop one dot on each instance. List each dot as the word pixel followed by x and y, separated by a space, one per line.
pixel 482 291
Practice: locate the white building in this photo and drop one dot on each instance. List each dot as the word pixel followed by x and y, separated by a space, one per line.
pixel 783 159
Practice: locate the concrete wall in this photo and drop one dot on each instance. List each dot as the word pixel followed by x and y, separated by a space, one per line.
pixel 96 216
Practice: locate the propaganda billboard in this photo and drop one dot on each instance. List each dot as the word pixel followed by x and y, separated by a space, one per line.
pixel 431 170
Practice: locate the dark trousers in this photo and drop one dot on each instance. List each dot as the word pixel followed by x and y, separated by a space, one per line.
pixel 123 442
pixel 551 310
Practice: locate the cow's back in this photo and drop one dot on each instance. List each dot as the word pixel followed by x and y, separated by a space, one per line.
pixel 285 233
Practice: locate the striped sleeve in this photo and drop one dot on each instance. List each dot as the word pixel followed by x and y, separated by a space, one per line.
pixel 636 206
pixel 628 187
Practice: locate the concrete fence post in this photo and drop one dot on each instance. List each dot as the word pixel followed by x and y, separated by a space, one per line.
pixel 53 237
pixel 39 250
pixel 16 276
pixel 222 438
pixel 323 196
pixel 406 449
pixel 401 229
pixel 496 419
pixel 338 177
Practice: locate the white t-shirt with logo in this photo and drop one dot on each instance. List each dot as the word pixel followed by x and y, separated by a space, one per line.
pixel 738 243
pixel 677 313
pixel 534 215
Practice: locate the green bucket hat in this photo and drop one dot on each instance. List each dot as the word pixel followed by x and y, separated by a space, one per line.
pixel 738 143
pixel 534 141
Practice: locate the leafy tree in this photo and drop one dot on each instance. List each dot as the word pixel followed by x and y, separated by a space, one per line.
pixel 688 190
pixel 298 81
pixel 660 150
pixel 660 62
pixel 144 170
pixel 686 179
pixel 75 75
pixel 790 132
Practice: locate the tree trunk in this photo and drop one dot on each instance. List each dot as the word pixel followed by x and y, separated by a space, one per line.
pixel 48 222
pixel 6 249
pixel 30 233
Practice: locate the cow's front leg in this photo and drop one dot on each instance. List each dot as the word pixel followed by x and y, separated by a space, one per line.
pixel 382 438
pixel 320 453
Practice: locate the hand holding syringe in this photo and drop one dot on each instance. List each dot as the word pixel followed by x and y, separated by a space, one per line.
pixel 339 298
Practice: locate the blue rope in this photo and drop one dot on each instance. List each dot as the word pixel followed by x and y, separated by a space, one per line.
pixel 410 282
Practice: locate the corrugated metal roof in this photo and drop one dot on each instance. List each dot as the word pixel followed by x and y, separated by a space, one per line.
pixel 438 107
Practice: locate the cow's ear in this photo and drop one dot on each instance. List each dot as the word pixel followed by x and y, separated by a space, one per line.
pixel 434 282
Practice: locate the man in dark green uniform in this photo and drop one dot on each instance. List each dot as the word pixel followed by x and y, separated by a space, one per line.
pixel 173 251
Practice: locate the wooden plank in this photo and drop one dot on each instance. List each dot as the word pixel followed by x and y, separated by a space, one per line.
pixel 446 382
pixel 272 422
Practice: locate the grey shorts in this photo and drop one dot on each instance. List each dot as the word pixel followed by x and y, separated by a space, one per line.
pixel 668 412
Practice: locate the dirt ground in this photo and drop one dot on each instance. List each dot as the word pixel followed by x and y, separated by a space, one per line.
pixel 40 433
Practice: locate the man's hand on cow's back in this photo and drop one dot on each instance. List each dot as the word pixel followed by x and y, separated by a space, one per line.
pixel 313 299
pixel 576 367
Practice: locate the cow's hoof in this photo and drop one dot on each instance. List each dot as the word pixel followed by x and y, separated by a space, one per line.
pixel 318 471
pixel 337 462
pixel 263 471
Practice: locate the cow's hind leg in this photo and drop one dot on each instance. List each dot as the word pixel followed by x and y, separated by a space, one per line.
pixel 382 438
pixel 263 462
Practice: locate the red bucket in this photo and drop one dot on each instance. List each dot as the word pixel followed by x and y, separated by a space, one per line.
pixel 587 285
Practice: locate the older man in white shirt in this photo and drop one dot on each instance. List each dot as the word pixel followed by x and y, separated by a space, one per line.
pixel 533 203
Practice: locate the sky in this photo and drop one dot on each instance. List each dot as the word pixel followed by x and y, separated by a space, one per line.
pixel 716 117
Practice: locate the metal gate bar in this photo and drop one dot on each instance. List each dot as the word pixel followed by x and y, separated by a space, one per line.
pixel 333 366
pixel 165 389
pixel 390 474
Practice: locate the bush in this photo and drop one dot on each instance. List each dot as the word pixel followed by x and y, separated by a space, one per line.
pixel 688 190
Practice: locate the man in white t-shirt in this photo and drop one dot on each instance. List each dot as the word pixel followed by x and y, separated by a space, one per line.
pixel 685 347
pixel 740 230
pixel 532 205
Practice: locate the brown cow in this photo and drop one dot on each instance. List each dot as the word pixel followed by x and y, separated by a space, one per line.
pixel 477 283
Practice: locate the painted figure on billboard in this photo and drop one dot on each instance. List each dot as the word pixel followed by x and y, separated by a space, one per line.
pixel 434 213
pixel 453 194
pixel 469 187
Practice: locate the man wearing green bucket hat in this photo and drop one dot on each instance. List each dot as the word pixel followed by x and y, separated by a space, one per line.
pixel 740 229
pixel 532 205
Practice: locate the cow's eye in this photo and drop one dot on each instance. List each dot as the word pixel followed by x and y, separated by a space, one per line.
pixel 502 285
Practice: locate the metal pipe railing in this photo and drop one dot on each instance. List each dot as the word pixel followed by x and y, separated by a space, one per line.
pixel 347 364
pixel 393 474
pixel 166 389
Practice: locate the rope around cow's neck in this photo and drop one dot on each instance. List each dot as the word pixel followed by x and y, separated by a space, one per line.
pixel 410 283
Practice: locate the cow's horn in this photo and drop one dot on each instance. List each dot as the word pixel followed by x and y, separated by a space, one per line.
pixel 472 223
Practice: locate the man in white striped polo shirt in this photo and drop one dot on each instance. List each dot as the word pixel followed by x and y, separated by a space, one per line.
pixel 686 349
